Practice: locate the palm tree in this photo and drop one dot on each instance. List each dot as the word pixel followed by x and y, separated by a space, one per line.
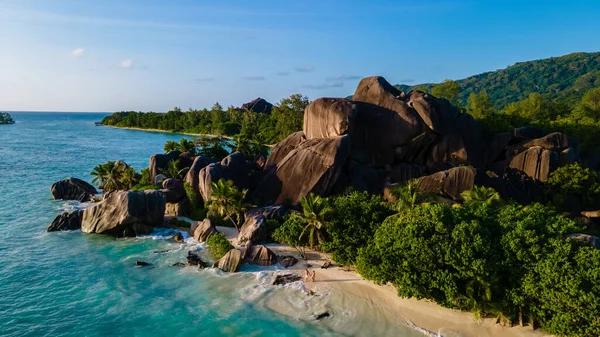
pixel 227 201
pixel 173 171
pixel 315 210
pixel 409 196
pixel 481 195
pixel 114 176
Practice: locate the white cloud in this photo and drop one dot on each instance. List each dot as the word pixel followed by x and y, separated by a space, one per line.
pixel 306 69
pixel 79 52
pixel 126 64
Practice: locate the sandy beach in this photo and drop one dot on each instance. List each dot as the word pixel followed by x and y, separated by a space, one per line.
pixel 165 131
pixel 346 289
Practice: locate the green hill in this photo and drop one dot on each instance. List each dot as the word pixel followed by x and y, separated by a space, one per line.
pixel 566 77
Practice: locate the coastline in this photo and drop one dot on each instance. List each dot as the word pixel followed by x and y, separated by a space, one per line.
pixel 349 289
pixel 165 131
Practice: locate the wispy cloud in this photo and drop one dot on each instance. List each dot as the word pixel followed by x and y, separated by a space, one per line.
pixel 283 73
pixel 342 78
pixel 306 69
pixel 126 64
pixel 79 52
pixel 203 79
pixel 323 86
pixel 253 78
pixel 407 80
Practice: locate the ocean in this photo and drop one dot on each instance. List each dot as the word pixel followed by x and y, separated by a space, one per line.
pixel 72 284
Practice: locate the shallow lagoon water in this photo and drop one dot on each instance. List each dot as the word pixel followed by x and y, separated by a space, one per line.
pixel 71 284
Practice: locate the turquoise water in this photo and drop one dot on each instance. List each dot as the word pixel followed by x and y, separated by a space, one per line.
pixel 71 284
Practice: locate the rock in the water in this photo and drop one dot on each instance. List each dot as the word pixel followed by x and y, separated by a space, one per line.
pixel 232 167
pixel 178 237
pixel 72 189
pixel 590 240
pixel 201 230
pixel 178 264
pixel 254 230
pixel 262 256
pixel 258 105
pixel 281 149
pixel 322 315
pixel 66 221
pixel 328 117
pixel 142 263
pixel 230 262
pixel 384 120
pixel 287 261
pixel 451 182
pixel 285 279
pixel 313 166
pixel 125 213
pixel 194 259
pixel 160 162
pixel 173 189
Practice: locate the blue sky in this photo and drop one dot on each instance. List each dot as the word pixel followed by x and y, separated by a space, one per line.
pixel 109 55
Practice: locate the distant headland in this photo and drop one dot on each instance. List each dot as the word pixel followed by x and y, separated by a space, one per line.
pixel 6 118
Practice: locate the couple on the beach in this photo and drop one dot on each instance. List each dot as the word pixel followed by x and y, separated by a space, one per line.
pixel 309 275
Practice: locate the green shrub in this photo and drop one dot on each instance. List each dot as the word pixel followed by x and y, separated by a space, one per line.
pixel 574 188
pixel 196 211
pixel 218 245
pixel 289 233
pixel 178 223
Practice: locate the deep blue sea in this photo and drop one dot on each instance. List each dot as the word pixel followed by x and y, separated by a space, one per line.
pixel 72 284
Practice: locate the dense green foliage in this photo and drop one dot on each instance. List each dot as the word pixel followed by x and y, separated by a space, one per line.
pixel 184 145
pixel 114 176
pixel 178 223
pixel 6 118
pixel 574 188
pixel 218 245
pixel 227 202
pixel 285 118
pixel 172 170
pixel 355 218
pixel 290 233
pixel 567 77
pixel 315 211
pixel 195 211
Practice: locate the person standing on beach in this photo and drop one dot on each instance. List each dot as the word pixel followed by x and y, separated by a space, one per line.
pixel 306 275
pixel 313 275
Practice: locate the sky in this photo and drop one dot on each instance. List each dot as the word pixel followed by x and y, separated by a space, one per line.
pixel 150 55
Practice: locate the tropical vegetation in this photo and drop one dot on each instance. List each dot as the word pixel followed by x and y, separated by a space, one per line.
pixel 114 175
pixel 227 202
pixel 218 245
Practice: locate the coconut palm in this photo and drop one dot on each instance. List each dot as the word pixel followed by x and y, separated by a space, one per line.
pixel 315 210
pixel 173 171
pixel 227 201
pixel 409 195
pixel 481 195
pixel 114 176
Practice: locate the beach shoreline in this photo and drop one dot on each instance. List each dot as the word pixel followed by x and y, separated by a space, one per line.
pixel 165 131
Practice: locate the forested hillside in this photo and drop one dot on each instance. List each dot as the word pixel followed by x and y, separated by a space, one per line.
pixel 566 77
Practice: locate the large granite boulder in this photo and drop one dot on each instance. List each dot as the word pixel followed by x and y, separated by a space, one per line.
pixel 271 212
pixel 180 208
pixel 66 221
pixel 402 173
pixel 313 166
pixel 230 262
pixel 254 230
pixel 159 162
pixel 258 105
pixel 233 167
pixel 437 113
pixel 555 142
pixel 173 189
pixel 536 162
pixel 125 213
pixel 384 121
pixel 201 230
pixel 513 184
pixel 450 151
pixel 262 256
pixel 496 147
pixel 72 189
pixel 192 175
pixel 328 117
pixel 450 183
pixel 281 149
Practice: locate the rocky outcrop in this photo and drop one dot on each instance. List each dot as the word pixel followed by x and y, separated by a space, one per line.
pixel 513 184
pixel 253 230
pixel 313 166
pixel 72 189
pixel 271 212
pixel 201 230
pixel 125 213
pixel 328 117
pixel 194 259
pixel 258 105
pixel 173 190
pixel 180 208
pixel 529 132
pixel 192 175
pixel 449 183
pixel 536 162
pixel 262 256
pixel 232 167
pixel 230 262
pixel 283 279
pixel 66 221
pixel 283 148
pixel 287 261
pixel 402 173
pixel 159 162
